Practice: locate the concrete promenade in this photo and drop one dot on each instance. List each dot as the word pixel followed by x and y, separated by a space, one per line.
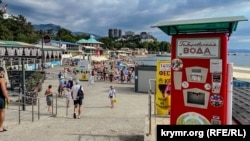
pixel 126 122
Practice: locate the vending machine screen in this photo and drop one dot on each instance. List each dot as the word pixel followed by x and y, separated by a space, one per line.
pixel 196 74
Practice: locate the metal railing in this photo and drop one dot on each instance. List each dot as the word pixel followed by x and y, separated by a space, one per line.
pixel 27 101
pixel 150 92
pixel 31 101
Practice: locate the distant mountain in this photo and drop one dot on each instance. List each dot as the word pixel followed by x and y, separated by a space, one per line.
pixel 238 50
pixel 55 28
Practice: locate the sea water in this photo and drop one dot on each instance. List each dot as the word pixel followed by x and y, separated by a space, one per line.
pixel 239 59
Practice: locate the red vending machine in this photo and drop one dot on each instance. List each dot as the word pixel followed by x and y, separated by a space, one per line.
pixel 199 79
pixel 199 83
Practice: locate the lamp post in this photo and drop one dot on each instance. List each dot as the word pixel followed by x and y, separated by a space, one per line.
pixel 42 55
pixel 23 85
pixel 45 39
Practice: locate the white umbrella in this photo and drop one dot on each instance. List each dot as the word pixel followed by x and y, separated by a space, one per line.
pixel 78 57
pixel 99 58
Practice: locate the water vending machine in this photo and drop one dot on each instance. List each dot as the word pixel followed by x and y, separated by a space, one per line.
pixel 199 78
pixel 200 72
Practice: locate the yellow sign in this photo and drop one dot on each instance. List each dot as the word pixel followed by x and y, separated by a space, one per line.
pixel 84 76
pixel 163 87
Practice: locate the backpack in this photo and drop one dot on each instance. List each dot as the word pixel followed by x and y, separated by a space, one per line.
pixel 80 93
pixel 69 84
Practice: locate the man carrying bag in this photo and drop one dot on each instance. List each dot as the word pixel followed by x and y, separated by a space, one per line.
pixel 77 95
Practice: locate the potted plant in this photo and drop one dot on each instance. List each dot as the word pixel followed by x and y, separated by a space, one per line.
pixel 33 86
pixel 34 83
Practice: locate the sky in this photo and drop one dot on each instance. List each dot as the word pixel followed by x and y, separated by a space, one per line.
pixel 97 16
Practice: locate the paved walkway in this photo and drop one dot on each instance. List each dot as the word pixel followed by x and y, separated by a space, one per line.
pixel 126 122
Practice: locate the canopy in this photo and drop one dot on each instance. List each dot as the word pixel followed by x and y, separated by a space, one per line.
pixel 208 25
pixel 99 58
pixel 78 57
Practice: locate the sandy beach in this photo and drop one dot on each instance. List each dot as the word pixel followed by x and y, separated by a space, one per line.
pixel 241 73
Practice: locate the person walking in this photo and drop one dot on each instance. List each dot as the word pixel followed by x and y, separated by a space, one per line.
pixel 112 96
pixel 122 75
pixel 77 101
pixel 92 78
pixel 4 99
pixel 111 76
pixel 62 84
pixel 59 75
pixel 68 96
pixel 49 97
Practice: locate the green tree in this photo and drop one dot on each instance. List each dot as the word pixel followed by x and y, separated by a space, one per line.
pixel 108 43
pixel 164 46
pixel 118 45
pixel 80 36
pixel 62 32
pixel 68 38
pixel 5 34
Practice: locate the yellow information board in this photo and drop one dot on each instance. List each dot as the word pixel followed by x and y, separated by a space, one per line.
pixel 163 87
pixel 83 76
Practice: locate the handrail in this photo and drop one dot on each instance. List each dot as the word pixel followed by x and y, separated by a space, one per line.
pixel 32 101
pixel 21 103
pixel 150 91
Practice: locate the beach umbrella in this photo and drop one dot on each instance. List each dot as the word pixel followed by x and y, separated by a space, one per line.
pixel 123 64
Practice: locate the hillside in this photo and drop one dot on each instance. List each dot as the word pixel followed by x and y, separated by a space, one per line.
pixel 55 28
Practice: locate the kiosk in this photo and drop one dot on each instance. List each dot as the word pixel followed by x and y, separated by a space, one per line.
pixel 199 74
pixel 84 68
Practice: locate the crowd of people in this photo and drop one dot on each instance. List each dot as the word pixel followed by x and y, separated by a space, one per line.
pixel 67 88
pixel 113 71
pixel 69 84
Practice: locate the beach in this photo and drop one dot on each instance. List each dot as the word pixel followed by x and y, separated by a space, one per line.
pixel 241 73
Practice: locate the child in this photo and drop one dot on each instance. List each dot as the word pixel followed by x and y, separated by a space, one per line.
pixel 68 96
pixel 112 96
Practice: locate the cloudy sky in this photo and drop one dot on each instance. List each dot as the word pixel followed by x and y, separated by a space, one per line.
pixel 97 16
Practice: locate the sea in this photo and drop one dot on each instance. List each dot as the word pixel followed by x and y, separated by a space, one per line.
pixel 238 59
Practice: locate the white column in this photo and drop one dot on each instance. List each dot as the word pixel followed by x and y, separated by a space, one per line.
pixel 229 93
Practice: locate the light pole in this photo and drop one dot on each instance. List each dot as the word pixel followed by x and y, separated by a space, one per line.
pixel 45 39
pixel 42 55
pixel 23 85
